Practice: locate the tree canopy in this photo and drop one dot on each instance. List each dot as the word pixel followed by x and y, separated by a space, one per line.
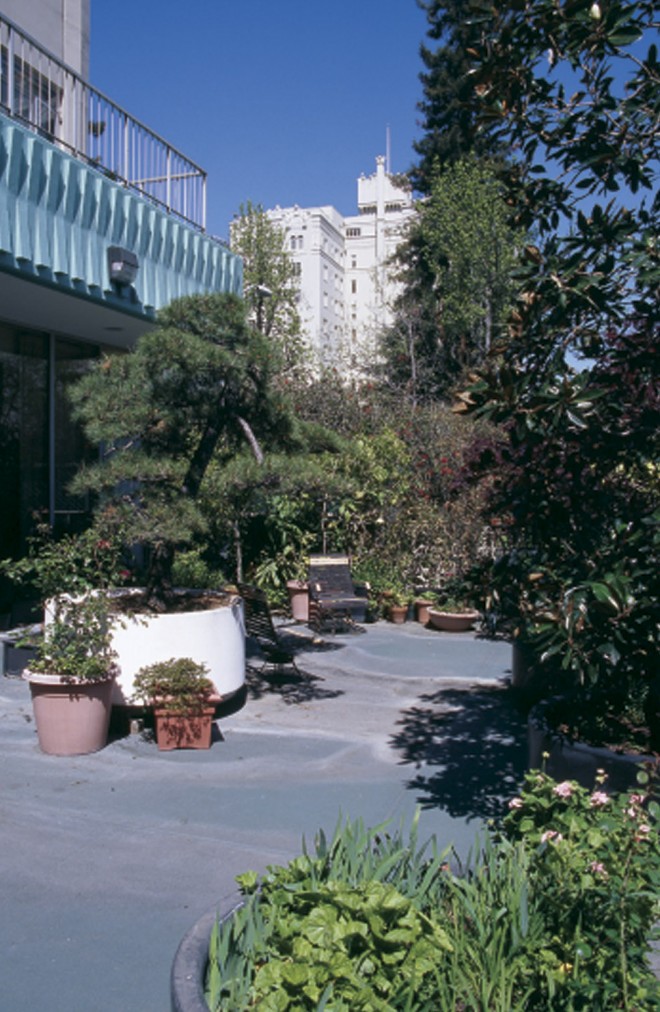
pixel 457 266
pixel 270 284
pixel 198 387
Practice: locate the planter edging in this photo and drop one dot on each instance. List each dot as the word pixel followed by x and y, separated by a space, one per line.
pixel 576 760
pixel 192 957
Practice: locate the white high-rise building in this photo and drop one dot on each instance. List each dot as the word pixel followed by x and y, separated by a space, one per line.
pixel 347 284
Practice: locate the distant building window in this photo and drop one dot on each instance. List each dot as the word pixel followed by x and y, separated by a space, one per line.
pixel 297 268
pixel 393 207
pixel 370 209
pixel 353 233
pixel 353 262
pixel 353 287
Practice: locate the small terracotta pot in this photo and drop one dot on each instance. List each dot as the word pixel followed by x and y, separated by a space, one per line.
pixel 398 613
pixel 422 610
pixel 298 599
pixel 174 730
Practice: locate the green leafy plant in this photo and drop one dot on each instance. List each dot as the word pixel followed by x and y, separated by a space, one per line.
pixel 573 381
pixel 594 859
pixel 72 564
pixel 76 642
pixel 179 686
pixel 553 910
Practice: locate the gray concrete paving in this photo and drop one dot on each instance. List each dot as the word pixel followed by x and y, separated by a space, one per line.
pixel 109 858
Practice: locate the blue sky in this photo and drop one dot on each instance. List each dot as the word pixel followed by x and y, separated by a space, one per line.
pixel 281 101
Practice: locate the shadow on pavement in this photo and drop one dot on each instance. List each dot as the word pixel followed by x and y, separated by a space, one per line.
pixel 469 747
pixel 289 685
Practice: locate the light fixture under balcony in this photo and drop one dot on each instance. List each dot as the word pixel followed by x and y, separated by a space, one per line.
pixel 123 265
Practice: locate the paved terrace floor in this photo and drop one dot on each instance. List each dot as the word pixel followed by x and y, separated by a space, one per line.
pixel 108 859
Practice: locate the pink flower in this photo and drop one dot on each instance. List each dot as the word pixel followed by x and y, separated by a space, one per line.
pixel 598 868
pixel 516 803
pixel 598 798
pixel 644 829
pixel 636 799
pixel 551 835
pixel 563 790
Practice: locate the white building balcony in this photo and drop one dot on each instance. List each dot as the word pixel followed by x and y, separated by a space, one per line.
pixel 53 100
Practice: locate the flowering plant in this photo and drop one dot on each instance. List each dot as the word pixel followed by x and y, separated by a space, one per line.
pixel 595 866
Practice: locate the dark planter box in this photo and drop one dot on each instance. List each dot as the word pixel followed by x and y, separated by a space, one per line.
pixel 572 760
pixel 13 658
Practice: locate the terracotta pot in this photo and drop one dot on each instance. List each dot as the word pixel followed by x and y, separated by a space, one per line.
pixel 72 718
pixel 398 613
pixel 452 621
pixel 175 730
pixel 298 599
pixel 422 610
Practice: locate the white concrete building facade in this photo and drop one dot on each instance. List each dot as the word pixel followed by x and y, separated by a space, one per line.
pixel 347 283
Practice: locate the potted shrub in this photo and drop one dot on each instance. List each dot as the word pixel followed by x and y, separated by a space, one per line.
pixel 182 697
pixel 71 678
pixel 452 614
pixel 170 415
pixel 422 604
pixel 397 603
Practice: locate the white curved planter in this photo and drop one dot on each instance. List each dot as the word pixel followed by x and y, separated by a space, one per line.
pixel 214 637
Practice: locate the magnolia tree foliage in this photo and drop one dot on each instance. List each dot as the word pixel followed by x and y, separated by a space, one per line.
pixel 572 90
pixel 195 390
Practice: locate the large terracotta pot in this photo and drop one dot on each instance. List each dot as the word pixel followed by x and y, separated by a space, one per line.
pixel 452 621
pixel 298 591
pixel 72 718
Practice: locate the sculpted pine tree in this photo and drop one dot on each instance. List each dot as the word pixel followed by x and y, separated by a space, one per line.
pixel 194 390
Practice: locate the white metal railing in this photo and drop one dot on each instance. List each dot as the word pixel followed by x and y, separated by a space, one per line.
pixel 51 98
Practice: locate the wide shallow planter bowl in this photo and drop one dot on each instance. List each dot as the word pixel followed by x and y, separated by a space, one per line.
pixel 564 759
pixel 452 621
pixel 72 718
pixel 175 730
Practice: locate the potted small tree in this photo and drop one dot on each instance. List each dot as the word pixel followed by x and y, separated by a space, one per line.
pixel 177 408
pixel 452 614
pixel 71 678
pixel 182 698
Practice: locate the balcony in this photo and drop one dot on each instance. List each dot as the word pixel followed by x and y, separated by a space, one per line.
pixel 51 99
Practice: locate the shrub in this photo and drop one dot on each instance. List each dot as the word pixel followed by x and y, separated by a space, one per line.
pixel 594 862
pixel 553 911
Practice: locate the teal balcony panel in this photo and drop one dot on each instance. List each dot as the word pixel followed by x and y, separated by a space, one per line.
pixel 58 216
